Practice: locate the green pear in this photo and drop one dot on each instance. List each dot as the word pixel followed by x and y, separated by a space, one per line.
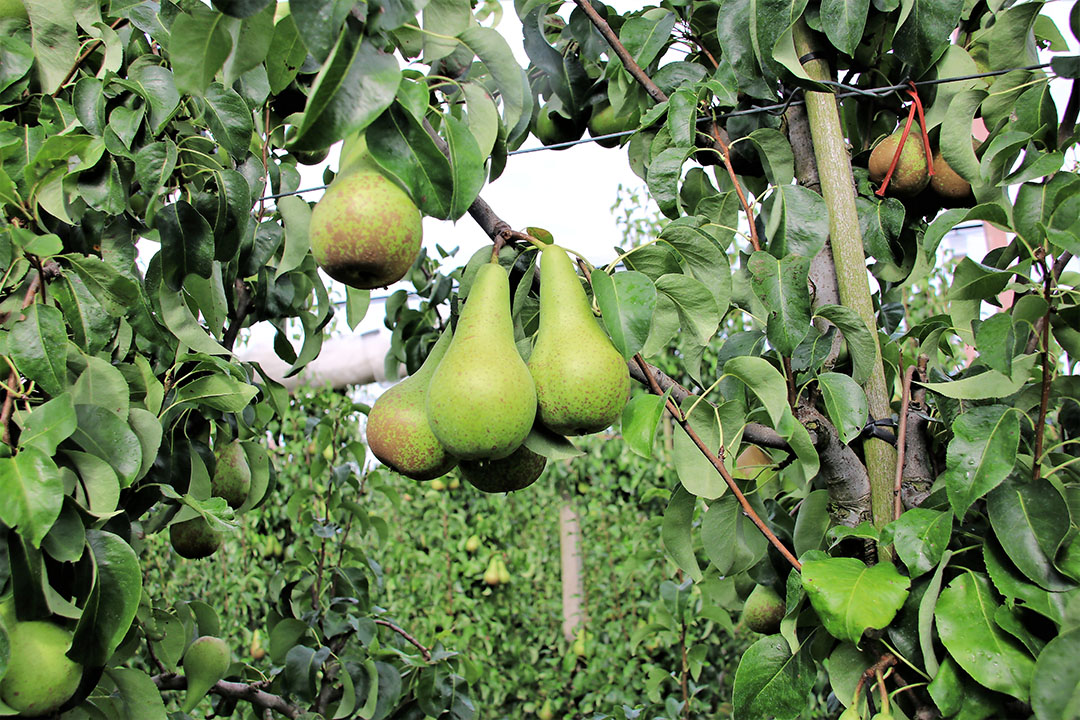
pixel 398 431
pixel 504 573
pixel 763 610
pixel 582 382
pixel 13 9
pixel 195 538
pixel 205 662
pixel 604 121
pixel 40 677
pixel 551 128
pixel 481 402
pixel 232 476
pixel 545 712
pixel 365 231
pixel 516 471
pixel 472 544
pixel 491 574
pixel 910 176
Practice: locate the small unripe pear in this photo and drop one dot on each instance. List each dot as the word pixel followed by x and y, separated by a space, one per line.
pixel 763 610
pixel 504 572
pixel 365 231
pixel 40 677
pixel 205 662
pixel 604 121
pixel 910 176
pixel 232 477
pixel 195 538
pixel 491 575
pixel 472 544
pixel 545 712
pixel 438 485
pixel 578 647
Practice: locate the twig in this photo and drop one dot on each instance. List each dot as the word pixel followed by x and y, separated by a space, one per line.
pixel 9 399
pixel 885 661
pixel 901 441
pixel 419 646
pixel 1044 401
pixel 85 54
pixel 249 693
pixel 243 307
pixel 725 157
pixel 722 469
pixel 627 60
pixel 1059 267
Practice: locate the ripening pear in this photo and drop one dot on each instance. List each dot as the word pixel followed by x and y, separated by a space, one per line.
pixel 365 231
pixel 763 610
pixel 516 471
pixel 504 572
pixel 195 538
pixel 910 176
pixel 947 183
pixel 232 476
pixel 40 677
pixel 481 402
pixel 491 574
pixel 205 662
pixel 582 383
pixel 398 431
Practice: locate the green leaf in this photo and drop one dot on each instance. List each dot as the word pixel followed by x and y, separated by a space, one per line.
pixel 696 472
pixel 102 384
pixel 48 424
pixel 965 622
pixel 782 287
pixel 229 119
pixel 116 293
pixel 139 697
pixel 731 540
pixel 797 221
pixel 702 254
pixel 694 302
pixel 640 419
pixel 996 342
pixel 31 493
pixel 1016 588
pixel 776 157
pixel 987 385
pixel 284 635
pixel 920 537
pixel 845 402
pixel 549 444
pixel 178 318
pixel 39 345
pixel 466 165
pixel 356 306
pixel 1011 38
pixel 99 489
pixel 771 682
pixel 973 281
pixel 112 603
pixel 981 454
pixel 187 244
pixel 850 597
pixel 812 522
pixel 922 32
pixel 843 21
pixel 626 301
pixel 764 381
pixel 199 43
pixel 401 145
pixel 861 344
pixel 356 84
pixel 102 433
pixel 675 532
pixel 646 35
pixel 495 53
pixel 55 39
pixel 1055 687
pixel 1031 520
pixel 218 391
pixel 296 214
pixel 252 40
pixel 663 176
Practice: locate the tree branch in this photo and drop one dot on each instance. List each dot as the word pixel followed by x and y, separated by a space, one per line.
pixel 36 284
pixel 620 50
pixel 842 472
pixel 725 157
pixel 400 631
pixel 243 307
pixel 918 466
pixel 901 441
pixel 85 54
pixel 250 693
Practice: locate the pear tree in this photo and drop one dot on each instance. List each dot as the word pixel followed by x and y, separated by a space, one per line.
pixel 920 513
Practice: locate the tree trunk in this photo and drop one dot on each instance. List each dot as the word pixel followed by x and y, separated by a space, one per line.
pixel 573 586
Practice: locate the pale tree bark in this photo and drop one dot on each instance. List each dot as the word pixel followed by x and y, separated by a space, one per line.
pixel 573 586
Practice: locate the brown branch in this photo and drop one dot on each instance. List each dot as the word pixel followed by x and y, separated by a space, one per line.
pixel 842 472
pixel 885 661
pixel 1059 267
pixel 620 50
pixel 243 307
pixel 725 157
pixel 918 465
pixel 1044 400
pixel 248 692
pixel 400 631
pixel 722 469
pixel 901 441
pixel 91 47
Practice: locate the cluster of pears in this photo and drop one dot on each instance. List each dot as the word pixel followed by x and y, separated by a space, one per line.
pixel 497 572
pixel 474 400
pixel 911 175
pixel 197 538
pixel 40 676
pixel 365 231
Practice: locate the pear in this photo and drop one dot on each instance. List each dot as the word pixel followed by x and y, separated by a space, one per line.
pixel 491 575
pixel 504 573
pixel 910 176
pixel 516 471
pixel 481 402
pixel 232 476
pixel 398 431
pixel 947 183
pixel 604 121
pixel 582 382
pixel 545 712
pixel 472 544
pixel 205 662
pixel 551 128
pixel 40 677
pixel 365 231
pixel 763 610
pixel 195 538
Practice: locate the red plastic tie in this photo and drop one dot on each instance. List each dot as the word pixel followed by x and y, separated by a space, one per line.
pixel 896 155
pixel 914 93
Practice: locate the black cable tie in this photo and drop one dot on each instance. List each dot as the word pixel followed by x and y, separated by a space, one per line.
pixel 812 55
